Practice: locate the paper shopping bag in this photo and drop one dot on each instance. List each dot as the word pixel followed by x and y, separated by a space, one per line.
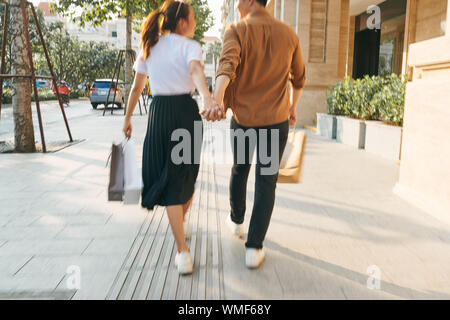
pixel 116 174
pixel 292 160
pixel 132 174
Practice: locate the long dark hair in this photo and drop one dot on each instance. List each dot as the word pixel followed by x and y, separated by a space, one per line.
pixel 151 29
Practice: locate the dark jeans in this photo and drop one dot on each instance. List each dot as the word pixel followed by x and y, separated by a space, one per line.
pixel 265 183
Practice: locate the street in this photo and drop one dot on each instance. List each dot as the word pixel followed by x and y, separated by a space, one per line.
pixel 53 120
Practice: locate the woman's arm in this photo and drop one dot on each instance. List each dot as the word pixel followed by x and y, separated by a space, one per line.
pixel 135 94
pixel 199 78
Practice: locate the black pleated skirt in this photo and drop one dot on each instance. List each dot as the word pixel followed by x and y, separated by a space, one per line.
pixel 167 182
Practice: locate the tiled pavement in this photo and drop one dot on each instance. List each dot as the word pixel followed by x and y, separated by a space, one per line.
pixel 325 233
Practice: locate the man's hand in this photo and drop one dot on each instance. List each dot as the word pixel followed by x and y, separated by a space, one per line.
pixel 293 117
pixel 212 110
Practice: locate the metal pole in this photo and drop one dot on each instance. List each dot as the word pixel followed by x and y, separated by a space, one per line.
pixel 133 60
pixel 33 75
pixel 112 79
pixel 122 58
pixel 50 66
pixel 115 90
pixel 5 38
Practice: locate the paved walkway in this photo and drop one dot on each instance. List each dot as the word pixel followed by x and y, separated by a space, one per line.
pixel 325 232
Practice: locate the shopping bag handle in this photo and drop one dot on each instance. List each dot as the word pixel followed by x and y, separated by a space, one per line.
pixel 293 128
pixel 123 143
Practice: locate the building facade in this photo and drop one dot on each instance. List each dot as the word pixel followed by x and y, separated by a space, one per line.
pixel 210 66
pixel 112 32
pixel 231 14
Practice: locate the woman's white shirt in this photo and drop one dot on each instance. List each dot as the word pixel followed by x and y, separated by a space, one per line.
pixel 168 65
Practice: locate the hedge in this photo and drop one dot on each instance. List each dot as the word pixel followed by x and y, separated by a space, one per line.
pixel 370 98
pixel 44 95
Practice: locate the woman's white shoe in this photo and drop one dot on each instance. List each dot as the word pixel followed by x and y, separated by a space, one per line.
pixel 236 229
pixel 254 258
pixel 183 261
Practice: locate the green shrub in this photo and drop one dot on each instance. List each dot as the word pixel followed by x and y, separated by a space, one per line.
pixel 44 95
pixel 390 100
pixel 7 95
pixel 338 98
pixel 370 98
pixel 76 94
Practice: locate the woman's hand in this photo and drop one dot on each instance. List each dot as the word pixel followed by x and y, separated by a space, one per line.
pixel 212 110
pixel 293 117
pixel 128 128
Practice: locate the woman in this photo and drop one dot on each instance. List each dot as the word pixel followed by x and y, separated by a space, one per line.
pixel 175 64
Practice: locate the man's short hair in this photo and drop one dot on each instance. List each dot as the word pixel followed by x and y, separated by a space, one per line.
pixel 263 2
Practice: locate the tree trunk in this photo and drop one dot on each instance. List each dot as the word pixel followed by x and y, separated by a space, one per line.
pixel 128 61
pixel 20 65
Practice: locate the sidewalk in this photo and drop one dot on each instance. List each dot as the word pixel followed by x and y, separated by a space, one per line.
pixel 325 233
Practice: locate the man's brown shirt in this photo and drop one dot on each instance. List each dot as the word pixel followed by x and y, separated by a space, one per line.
pixel 261 55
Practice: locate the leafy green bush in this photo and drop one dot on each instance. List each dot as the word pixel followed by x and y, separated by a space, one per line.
pixel 7 95
pixel 390 100
pixel 44 95
pixel 76 94
pixel 370 98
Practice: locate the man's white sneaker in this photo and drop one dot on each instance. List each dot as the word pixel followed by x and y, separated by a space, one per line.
pixel 236 229
pixel 254 258
pixel 183 261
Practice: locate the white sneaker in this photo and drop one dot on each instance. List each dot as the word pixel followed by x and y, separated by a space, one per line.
pixel 254 258
pixel 236 229
pixel 187 234
pixel 183 261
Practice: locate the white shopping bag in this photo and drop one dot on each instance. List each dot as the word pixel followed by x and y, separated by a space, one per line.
pixel 132 174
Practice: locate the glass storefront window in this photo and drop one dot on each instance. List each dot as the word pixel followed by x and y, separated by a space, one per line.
pixel 387 54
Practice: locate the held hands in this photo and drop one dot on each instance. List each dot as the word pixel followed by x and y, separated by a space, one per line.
pixel 212 111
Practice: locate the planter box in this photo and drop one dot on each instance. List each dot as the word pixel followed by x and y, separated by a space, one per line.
pixel 383 140
pixel 351 132
pixel 326 125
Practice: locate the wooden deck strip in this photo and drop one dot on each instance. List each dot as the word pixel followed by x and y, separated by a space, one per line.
pixel 149 270
pixel 138 265
pixel 124 271
pixel 159 279
pixel 153 257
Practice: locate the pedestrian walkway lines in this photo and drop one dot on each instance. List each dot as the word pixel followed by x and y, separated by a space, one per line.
pixel 149 272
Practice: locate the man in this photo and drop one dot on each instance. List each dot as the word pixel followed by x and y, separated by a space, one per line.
pixel 260 57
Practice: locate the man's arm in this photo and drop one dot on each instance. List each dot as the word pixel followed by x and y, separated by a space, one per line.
pixel 298 79
pixel 226 72
pixel 296 94
pixel 222 83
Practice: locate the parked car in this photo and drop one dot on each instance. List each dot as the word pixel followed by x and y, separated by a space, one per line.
pixel 44 84
pixel 99 93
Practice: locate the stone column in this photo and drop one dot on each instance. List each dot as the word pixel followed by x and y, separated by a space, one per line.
pixel 447 32
pixel 410 34
pixel 344 38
